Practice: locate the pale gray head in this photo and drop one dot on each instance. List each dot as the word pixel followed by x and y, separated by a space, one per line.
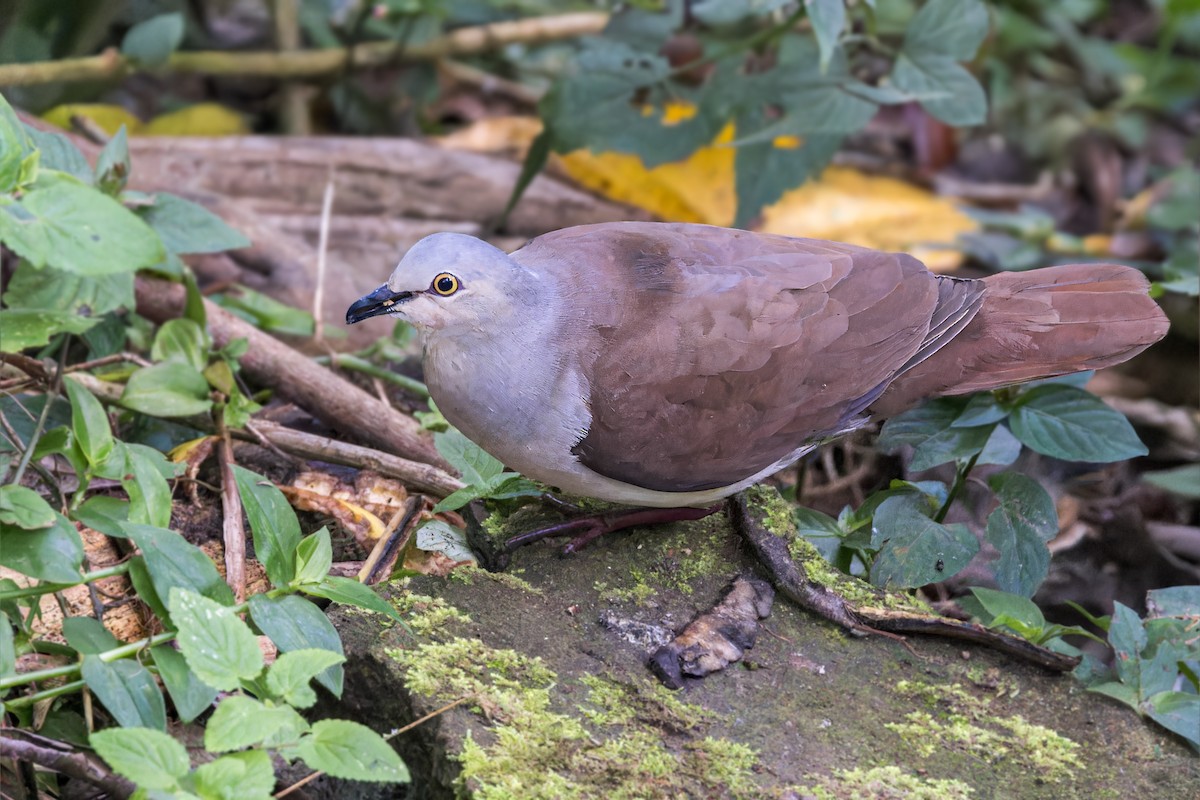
pixel 448 282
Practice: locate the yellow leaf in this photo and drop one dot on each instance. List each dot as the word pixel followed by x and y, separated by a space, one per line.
pixel 202 119
pixel 182 452
pixel 109 118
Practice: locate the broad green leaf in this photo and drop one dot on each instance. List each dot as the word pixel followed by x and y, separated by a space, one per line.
pixel 1019 528
pixel 1074 425
pixel 53 553
pixel 190 695
pixel 763 172
pixel 294 623
pixel 951 28
pixel 60 153
pixel 914 546
pixel 15 147
pixel 149 493
pixel 981 409
pixel 172 562
pixel 88 635
pixel 149 758
pixel 350 592
pixel 1178 712
pixel 477 466
pixel 240 721
pixel 169 389
pixel 50 289
pixel 273 524
pixel 1012 606
pixel 127 690
pixel 314 557
pixel 237 776
pixel 1001 449
pixel 1183 481
pixel 64 224
pixel 349 750
pixel 151 42
pixel 103 513
pixel 112 167
pixel 289 676
pixel 24 508
pixel 1174 601
pixel 1128 639
pixel 22 328
pixel 442 537
pixel 457 499
pixel 219 648
pixel 89 421
pixel 186 227
pixel 181 340
pixel 828 19
pixel 8 651
pixel 957 100
pixel 143 586
pixel 266 312
pixel 930 430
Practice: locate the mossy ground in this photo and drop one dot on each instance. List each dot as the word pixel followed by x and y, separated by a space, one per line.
pixel 560 707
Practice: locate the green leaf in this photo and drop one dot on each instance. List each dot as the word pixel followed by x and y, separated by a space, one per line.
pixel 59 153
pixel 981 409
pixel 1174 601
pixel 314 557
pixel 240 721
pixel 22 328
pixel 457 499
pixel 24 508
pixel 127 690
pixel 152 41
pixel 112 167
pixel 186 227
pixel 1019 529
pixel 1127 636
pixel 15 147
pixel 174 562
pixel 190 695
pixel 828 19
pixel 1178 712
pixel 149 758
pixel 49 289
pixel 442 537
pixel 103 513
pixel 266 312
pixel 181 340
pixel 1014 607
pixel 1001 448
pixel 956 97
pixel 764 172
pixel 149 493
pixel 294 623
pixel 64 224
pixel 219 648
pixel 90 423
pixel 1074 425
pixel 951 28
pixel 914 546
pixel 477 466
pixel 350 592
pixel 272 522
pixel 169 389
pixel 237 776
pixel 88 635
pixel 930 430
pixel 8 651
pixel 1183 481
pixel 53 553
pixel 289 676
pixel 349 750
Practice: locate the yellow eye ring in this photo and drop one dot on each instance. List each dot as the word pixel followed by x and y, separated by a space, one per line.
pixel 444 284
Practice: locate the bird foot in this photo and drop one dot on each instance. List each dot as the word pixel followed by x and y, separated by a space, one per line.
pixel 587 529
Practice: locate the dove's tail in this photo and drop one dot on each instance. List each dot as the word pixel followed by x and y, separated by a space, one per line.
pixel 1037 324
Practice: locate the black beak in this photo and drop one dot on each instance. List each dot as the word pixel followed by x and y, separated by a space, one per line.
pixel 380 301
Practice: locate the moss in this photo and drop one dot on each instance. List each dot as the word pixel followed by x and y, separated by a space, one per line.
pixel 626 748
pixel 425 614
pixel 883 783
pixel 469 573
pixel 964 722
pixel 638 594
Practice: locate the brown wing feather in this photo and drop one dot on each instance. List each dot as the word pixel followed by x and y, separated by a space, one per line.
pixel 714 353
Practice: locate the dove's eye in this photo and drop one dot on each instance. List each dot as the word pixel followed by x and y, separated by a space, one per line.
pixel 445 284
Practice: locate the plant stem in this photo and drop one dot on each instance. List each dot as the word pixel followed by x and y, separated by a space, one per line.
pixel 49 588
pixel 51 396
pixel 70 669
pixel 367 368
pixel 960 479
pixel 765 36
pixel 37 697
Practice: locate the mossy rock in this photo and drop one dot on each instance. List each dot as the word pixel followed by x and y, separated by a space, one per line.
pixel 561 705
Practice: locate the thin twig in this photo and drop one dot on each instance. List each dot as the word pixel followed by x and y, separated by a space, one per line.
pixel 234 535
pixel 309 64
pixel 63 758
pixel 55 388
